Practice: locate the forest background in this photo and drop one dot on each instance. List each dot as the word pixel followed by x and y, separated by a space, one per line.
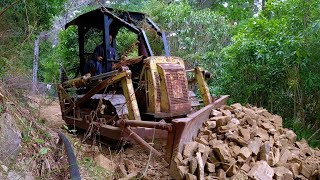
pixel 265 53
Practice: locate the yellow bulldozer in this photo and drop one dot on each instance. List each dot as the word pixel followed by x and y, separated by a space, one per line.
pixel 132 97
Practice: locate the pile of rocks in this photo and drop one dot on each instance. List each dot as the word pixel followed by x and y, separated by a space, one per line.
pixel 240 142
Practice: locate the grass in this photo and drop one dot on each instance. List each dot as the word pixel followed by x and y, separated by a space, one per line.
pixel 303 132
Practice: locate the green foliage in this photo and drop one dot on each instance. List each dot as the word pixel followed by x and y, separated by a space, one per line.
pixel 273 61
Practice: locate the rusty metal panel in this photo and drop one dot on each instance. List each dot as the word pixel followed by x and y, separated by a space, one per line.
pixel 174 91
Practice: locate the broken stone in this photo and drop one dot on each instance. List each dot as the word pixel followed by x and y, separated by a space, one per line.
pixel 222 174
pixel 291 136
pixel 282 173
pixel 245 167
pixel 129 166
pixel 245 133
pixel 245 152
pixel 191 177
pixel 222 153
pixel 210 167
pixel 235 121
pixel 261 170
pixel 237 139
pixel 182 171
pixel 239 176
pixel 200 172
pixel 190 149
pixel 193 165
pixel 226 113
pixel 294 168
pixel 263 134
pixel 104 162
pixel 216 113
pixel 307 168
pixel 255 145
pixel 237 106
pixel 121 170
pixel 211 124
pixel 285 156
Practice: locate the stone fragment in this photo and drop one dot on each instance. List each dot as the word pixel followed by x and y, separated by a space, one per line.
pixel 121 170
pixel 291 136
pixel 282 173
pixel 286 154
pixel 239 176
pixel 237 139
pixel 267 126
pixel 264 152
pixel 200 170
pixel 230 169
pixel 191 177
pixel 193 164
pixel 203 141
pixel 104 162
pixel 226 113
pixel 307 168
pixel 178 159
pixel 210 167
pixel 216 113
pixel 129 166
pixel 261 171
pixel 222 153
pixel 294 168
pixel 235 121
pixel 205 154
pixel 245 167
pixel 221 120
pixel 245 133
pixel 222 174
pixel 190 149
pixel 263 134
pixel 211 124
pixel 132 175
pixel 277 120
pixel 255 145
pixel 245 153
pixel 236 106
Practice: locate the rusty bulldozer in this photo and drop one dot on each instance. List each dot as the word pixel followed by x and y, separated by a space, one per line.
pixel 139 94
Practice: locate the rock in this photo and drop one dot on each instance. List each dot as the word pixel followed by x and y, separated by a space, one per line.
pixel 235 121
pixel 222 174
pixel 191 177
pixel 182 171
pixel 294 168
pixel 190 149
pixel 206 153
pixel 245 133
pixel 193 165
pixel 216 113
pixel 222 153
pixel 282 173
pixel 221 120
pixel 255 145
pixel 239 176
pixel 237 106
pixel 264 151
pixel 200 172
pixel 286 154
pixel 121 170
pixel 245 153
pixel 132 175
pixel 211 124
pixel 261 171
pixel 129 166
pixel 178 159
pixel 104 162
pixel 291 136
pixel 307 168
pixel 10 139
pixel 263 134
pixel 210 167
pixel 245 167
pixel 226 113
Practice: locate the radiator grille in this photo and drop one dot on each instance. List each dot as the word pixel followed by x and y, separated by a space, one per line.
pixel 176 86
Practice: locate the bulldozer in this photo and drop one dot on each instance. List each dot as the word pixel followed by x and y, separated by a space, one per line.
pixel 140 96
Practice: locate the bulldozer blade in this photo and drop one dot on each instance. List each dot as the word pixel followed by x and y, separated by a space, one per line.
pixel 187 128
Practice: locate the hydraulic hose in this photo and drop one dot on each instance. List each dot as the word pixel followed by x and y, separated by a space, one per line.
pixel 73 166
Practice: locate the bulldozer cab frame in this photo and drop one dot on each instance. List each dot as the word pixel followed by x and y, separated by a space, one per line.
pixel 140 96
pixel 110 21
